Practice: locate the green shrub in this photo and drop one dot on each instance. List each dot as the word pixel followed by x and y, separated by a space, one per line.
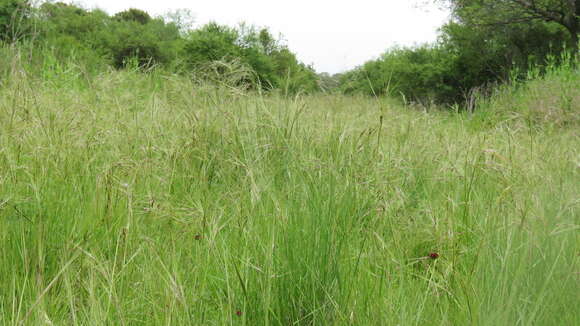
pixel 420 74
pixel 14 15
pixel 275 66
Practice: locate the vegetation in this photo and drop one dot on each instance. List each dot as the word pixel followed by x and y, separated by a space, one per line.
pixel 273 64
pixel 565 13
pixel 131 198
pixel 13 14
pixel 483 45
pixel 154 174
pixel 133 37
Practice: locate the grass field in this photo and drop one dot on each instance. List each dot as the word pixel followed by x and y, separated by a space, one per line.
pixel 146 199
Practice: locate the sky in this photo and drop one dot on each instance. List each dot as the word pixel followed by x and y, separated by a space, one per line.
pixel 332 35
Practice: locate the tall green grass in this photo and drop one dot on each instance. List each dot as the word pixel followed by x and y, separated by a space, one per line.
pixel 147 199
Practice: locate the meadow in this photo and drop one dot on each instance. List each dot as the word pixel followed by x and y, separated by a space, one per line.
pixel 131 198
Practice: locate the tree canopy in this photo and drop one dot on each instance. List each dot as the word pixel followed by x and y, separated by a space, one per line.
pixel 565 13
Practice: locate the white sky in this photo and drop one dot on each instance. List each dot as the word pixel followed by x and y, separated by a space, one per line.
pixel 334 36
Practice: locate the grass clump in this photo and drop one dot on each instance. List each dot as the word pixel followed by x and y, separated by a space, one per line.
pixel 145 199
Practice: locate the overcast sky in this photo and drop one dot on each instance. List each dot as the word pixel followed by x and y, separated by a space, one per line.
pixel 333 35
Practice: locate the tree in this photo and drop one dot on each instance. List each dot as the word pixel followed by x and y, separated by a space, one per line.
pixel 129 36
pixel 565 13
pixel 210 43
pixel 133 15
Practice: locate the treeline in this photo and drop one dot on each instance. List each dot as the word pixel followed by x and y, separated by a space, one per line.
pixel 486 42
pixel 246 55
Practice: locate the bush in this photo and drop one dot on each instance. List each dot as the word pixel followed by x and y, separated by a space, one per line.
pixel 14 15
pixel 152 43
pixel 275 66
pixel 420 74
pixel 128 34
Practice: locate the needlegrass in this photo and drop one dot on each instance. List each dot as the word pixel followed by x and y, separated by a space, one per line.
pixel 131 198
